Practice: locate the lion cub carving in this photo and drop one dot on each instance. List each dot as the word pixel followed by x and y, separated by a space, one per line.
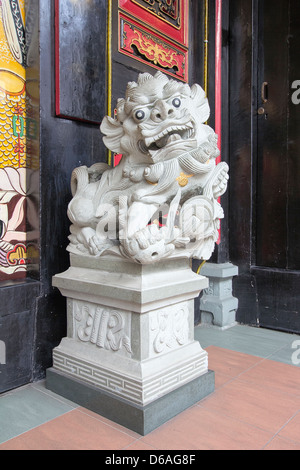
pixel 162 199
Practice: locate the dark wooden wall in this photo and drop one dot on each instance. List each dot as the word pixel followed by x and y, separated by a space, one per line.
pixel 33 313
pixel 264 163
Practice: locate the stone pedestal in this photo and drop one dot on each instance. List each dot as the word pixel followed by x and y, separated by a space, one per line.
pixel 218 307
pixel 130 353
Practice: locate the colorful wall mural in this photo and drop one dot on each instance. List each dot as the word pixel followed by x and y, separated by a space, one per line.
pixel 18 214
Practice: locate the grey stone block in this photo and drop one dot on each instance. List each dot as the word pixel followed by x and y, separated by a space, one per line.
pixel 217 306
pixel 138 418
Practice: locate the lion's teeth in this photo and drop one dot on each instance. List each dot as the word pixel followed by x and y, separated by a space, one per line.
pixel 149 141
pixel 174 131
pixel 174 138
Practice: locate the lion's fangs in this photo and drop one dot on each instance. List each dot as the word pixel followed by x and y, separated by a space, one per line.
pixel 183 131
pixel 174 135
pixel 168 164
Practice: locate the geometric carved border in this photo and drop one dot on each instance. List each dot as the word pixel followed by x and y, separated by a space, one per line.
pixel 175 377
pixel 138 391
pixel 98 376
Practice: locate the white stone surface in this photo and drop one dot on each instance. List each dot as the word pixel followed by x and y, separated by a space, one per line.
pixel 124 284
pixel 131 332
pixel 130 288
pixel 137 381
pixel 168 173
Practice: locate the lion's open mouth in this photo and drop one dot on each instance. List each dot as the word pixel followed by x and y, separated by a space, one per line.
pixel 169 135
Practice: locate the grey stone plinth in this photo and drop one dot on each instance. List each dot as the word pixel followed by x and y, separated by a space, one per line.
pixel 218 306
pixel 130 336
pixel 141 419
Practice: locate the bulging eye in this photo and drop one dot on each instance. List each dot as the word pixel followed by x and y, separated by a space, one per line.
pixel 139 114
pixel 176 102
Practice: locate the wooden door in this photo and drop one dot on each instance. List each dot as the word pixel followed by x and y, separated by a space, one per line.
pixel 277 202
pixel 265 161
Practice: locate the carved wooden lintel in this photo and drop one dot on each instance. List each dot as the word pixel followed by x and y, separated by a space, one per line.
pixel 146 46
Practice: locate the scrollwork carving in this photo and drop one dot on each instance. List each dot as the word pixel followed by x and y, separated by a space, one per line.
pixel 104 328
pixel 169 10
pixel 170 329
pixel 148 47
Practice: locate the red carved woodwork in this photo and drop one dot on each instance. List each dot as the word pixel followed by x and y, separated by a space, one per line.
pixel 146 46
pixel 169 17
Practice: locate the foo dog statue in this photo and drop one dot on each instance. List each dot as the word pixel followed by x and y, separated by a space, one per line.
pixel 161 201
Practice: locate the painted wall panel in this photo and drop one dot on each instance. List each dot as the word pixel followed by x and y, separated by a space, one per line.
pixel 14 253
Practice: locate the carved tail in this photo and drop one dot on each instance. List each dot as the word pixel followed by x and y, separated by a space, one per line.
pixel 83 175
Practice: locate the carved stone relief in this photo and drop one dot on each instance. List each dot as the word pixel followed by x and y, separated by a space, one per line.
pixel 169 162
pixel 104 327
pixel 169 328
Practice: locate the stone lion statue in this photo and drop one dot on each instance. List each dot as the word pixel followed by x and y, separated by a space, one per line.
pixel 162 200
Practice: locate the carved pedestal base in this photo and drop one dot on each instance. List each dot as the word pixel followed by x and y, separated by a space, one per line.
pixel 218 306
pixel 130 352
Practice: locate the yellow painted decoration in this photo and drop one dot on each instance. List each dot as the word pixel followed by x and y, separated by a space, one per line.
pixel 201 266
pixel 13 126
pixel 12 93
pixel 7 60
pixel 183 179
pixel 17 256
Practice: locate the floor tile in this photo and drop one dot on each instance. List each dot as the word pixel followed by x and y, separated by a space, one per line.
pixel 275 375
pixel 230 363
pixel 262 333
pixel 26 408
pixel 258 342
pixel 254 404
pixel 110 423
pixel 72 431
pixel 285 354
pixel 140 445
pixel 279 443
pixel 203 429
pixel 221 379
pixel 41 387
pixel 292 429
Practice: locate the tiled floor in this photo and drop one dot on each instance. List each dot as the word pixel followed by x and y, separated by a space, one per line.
pixel 256 405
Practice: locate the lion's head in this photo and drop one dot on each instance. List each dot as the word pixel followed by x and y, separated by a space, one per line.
pixel 158 119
